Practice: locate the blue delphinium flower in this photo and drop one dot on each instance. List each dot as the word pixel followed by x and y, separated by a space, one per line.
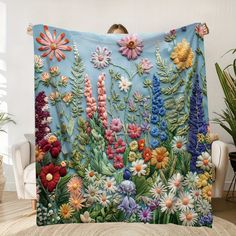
pixel 154 119
pixel 163 136
pixel 154 131
pixel 162 111
pixel 158 111
pixel 154 143
pixel 155 109
pixel 163 125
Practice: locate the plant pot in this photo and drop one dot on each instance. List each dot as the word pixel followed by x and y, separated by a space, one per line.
pixel 232 158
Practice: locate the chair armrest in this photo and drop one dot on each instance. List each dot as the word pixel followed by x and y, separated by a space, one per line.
pixel 220 160
pixel 20 159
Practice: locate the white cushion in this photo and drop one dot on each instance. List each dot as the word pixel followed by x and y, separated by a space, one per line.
pixel 30 174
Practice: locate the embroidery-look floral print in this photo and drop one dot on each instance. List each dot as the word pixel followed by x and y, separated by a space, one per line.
pixel 122 127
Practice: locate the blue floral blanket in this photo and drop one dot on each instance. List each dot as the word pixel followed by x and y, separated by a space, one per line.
pixel 121 125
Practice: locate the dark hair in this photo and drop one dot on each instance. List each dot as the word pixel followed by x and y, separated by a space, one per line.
pixel 117 26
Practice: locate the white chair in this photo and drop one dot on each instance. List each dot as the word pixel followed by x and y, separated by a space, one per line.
pixel 220 161
pixel 24 171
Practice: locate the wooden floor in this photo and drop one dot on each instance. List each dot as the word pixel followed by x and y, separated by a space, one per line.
pixel 14 208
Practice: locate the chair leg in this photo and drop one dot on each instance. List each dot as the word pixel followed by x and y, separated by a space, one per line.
pixel 33 203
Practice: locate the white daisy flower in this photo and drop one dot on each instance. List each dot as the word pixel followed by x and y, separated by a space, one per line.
pixel 90 175
pixel 196 194
pixel 203 206
pixel 175 183
pixel 91 193
pixel 124 84
pixel 179 144
pixel 101 58
pixel 204 161
pixel 104 199
pixel 188 217
pixel 110 184
pixel 190 180
pixel 167 203
pixel 185 201
pixel 138 167
pixel 158 189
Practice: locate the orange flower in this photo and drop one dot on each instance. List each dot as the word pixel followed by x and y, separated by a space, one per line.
pixel 141 144
pixel 39 154
pixel 67 97
pixel 147 154
pixel 160 157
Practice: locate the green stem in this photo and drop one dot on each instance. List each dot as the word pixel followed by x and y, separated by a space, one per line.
pixel 122 68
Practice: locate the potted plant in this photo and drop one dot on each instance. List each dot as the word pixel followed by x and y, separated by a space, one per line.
pixel 227 120
pixel 4 119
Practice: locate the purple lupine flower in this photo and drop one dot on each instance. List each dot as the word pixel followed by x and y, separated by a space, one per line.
pixel 197 124
pixel 127 187
pixel 145 215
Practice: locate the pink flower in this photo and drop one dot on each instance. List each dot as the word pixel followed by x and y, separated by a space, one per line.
pixel 101 58
pixel 110 152
pixel 116 125
pixel 118 162
pixel 144 66
pixel 120 146
pixel 102 112
pixel 53 45
pixel 130 47
pixel 90 100
pixel 109 135
pixel 134 131
pixel 201 30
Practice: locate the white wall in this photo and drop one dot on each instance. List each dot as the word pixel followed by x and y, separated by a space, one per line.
pixel 97 16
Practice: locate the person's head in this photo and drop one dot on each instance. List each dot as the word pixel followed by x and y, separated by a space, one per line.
pixel 117 29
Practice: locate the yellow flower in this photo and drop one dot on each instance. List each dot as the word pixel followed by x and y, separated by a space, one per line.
pixel 203 179
pixel 182 55
pixel 133 146
pixel 207 192
pixel 132 156
pixel 76 201
pixel 160 157
pixel 52 139
pixel 66 211
pixel 67 97
pixel 200 137
pixel 54 96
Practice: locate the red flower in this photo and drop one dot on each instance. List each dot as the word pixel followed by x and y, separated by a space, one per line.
pixel 110 152
pixel 118 162
pixel 54 147
pixel 62 171
pixel 53 45
pixel 50 176
pixel 141 144
pixel 120 146
pixel 134 131
pixel 147 154
pixel 109 135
